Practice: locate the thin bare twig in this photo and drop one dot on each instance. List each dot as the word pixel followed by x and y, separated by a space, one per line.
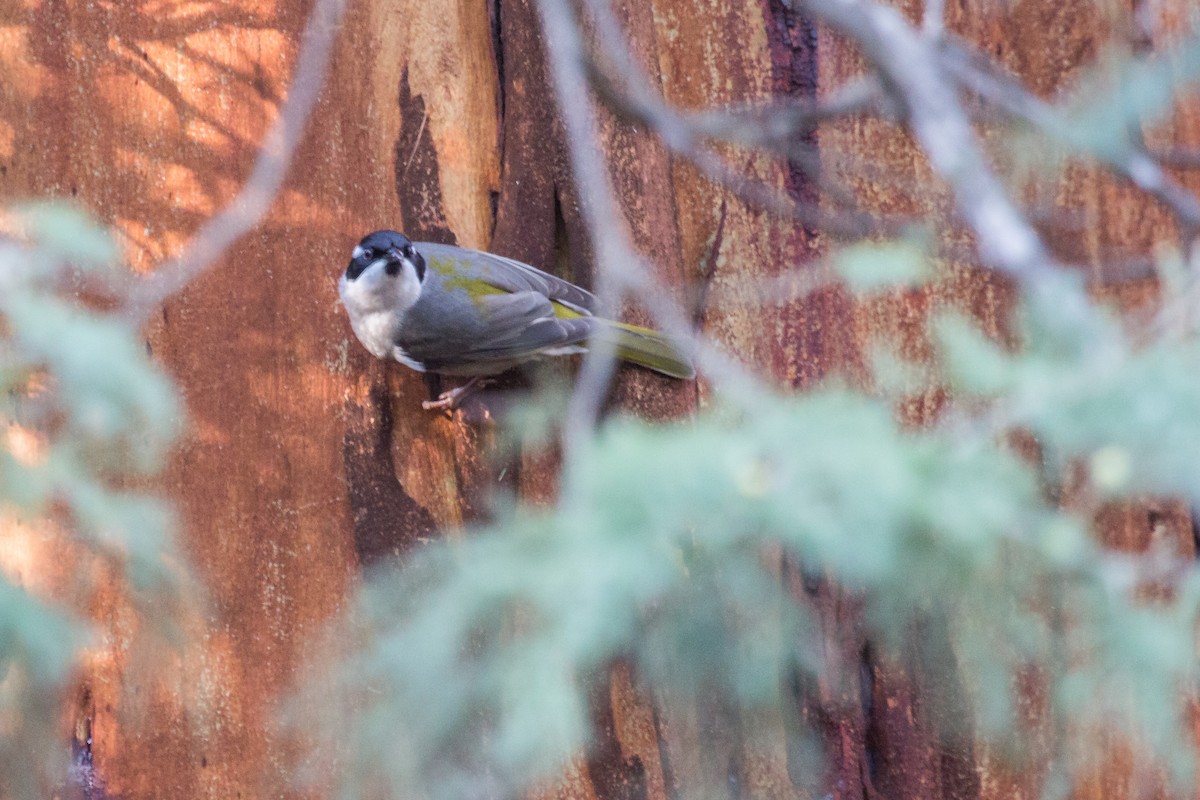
pixel 737 383
pixel 763 197
pixel 933 19
pixel 620 268
pixel 777 127
pixel 1176 157
pixel 774 125
pixel 252 203
pixel 754 125
pixel 1132 161
pixel 683 137
pixel 909 66
pixel 412 156
pixel 606 225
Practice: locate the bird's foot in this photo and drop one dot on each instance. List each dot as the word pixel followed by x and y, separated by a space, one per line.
pixel 450 400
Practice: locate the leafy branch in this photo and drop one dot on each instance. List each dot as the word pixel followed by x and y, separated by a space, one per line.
pixel 657 552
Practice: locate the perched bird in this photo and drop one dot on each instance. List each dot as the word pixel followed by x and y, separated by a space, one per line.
pixel 445 309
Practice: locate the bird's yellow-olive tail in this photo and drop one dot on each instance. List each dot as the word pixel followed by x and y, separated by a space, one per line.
pixel 650 349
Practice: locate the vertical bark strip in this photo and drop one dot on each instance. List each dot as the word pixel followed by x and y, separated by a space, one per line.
pixel 534 173
pixel 418 175
pixel 388 522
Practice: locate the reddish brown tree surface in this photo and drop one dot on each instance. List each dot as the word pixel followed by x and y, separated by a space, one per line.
pixel 306 459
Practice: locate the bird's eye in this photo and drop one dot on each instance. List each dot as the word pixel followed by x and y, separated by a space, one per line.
pixel 368 253
pixel 408 251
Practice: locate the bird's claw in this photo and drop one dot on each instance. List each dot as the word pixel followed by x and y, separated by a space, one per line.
pixel 447 401
pixel 450 400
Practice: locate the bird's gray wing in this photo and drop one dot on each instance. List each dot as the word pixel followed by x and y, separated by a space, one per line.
pixel 524 323
pixel 493 332
pixel 507 274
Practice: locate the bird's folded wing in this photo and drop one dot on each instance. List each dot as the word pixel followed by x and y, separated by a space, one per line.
pixel 523 323
pixel 509 275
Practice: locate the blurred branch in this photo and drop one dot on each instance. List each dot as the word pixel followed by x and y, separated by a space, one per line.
pixel 766 127
pixel 933 19
pixel 909 74
pixel 620 268
pixel 776 124
pixel 607 227
pixel 909 67
pixel 253 202
pixel 771 125
pixel 1177 157
pixel 947 65
pixel 626 89
pixel 1132 161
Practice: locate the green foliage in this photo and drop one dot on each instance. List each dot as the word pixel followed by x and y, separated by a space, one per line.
pixel 1106 112
pixel 1112 101
pixel 867 266
pixel 671 546
pixel 95 417
pixel 476 656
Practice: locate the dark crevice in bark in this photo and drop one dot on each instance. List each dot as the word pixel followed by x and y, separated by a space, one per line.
pixel 810 579
pixel 614 776
pixel 792 43
pixel 562 263
pixel 387 521
pixel 733 778
pixel 1195 515
pixel 670 782
pixel 873 734
pixel 708 269
pixel 531 144
pixel 814 333
pixel 479 471
pixel 83 781
pixel 495 10
pixel 723 741
pixel 418 178
pixel 945 705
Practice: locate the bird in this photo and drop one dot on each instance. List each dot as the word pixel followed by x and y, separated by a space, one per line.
pixel 454 311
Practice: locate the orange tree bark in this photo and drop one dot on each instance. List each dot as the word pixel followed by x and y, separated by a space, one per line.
pixel 308 460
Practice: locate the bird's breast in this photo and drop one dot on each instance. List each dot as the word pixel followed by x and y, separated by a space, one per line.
pixel 376 331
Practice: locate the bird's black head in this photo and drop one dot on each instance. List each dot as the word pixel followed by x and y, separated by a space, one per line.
pixel 394 248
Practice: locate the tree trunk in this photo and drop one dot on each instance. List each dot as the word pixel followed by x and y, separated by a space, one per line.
pixel 308 460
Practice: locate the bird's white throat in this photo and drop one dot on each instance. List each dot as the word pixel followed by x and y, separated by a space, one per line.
pixel 377 303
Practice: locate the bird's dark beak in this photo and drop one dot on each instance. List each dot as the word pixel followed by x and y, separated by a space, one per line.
pixel 394 259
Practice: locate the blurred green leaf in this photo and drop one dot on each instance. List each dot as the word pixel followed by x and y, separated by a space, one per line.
pixel 65 232
pixel 869 267
pixel 972 363
pixel 87 416
pixel 896 376
pixel 1123 93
